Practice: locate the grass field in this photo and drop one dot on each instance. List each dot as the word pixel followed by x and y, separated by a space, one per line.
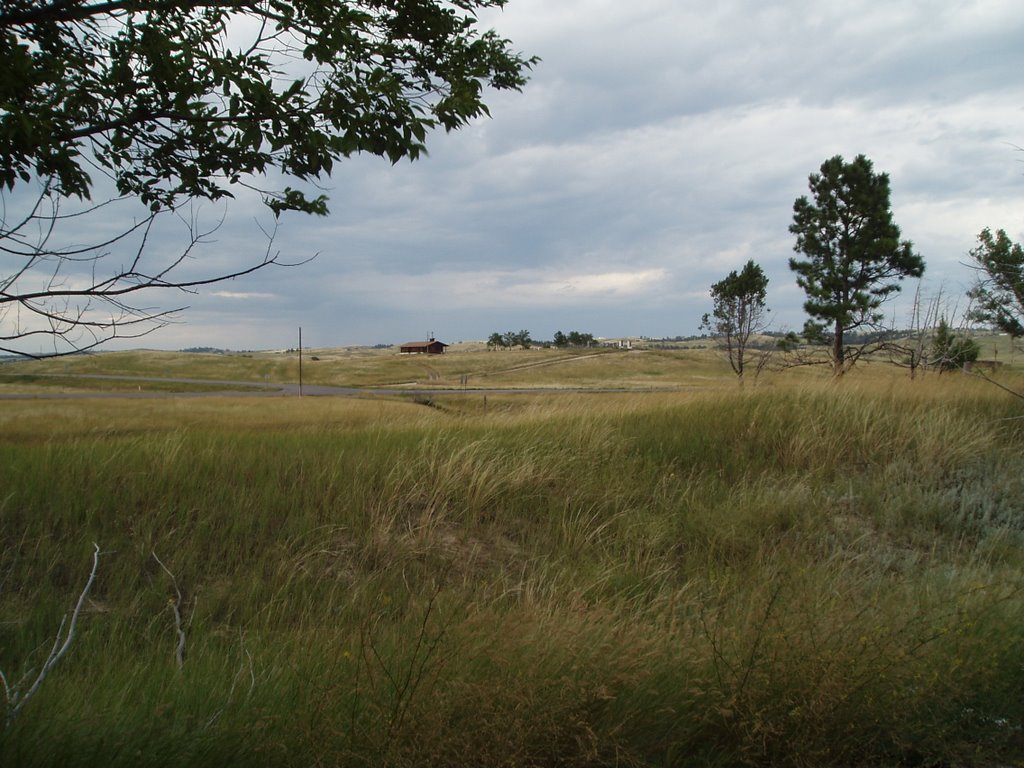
pixel 375 368
pixel 799 573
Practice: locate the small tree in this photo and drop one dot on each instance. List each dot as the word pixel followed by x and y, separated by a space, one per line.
pixel 912 347
pixel 950 351
pixel 998 295
pixel 495 340
pixel 560 340
pixel 739 313
pixel 855 258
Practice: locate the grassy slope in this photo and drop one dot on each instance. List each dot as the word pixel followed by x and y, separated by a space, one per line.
pixel 801 574
pixel 366 367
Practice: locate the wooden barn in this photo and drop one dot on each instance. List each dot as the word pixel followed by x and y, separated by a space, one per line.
pixel 432 347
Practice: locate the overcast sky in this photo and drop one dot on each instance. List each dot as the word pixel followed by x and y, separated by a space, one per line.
pixel 659 145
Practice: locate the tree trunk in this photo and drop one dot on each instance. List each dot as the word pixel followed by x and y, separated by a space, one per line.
pixel 838 353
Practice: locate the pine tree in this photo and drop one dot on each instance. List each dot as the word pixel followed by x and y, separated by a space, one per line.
pixel 855 257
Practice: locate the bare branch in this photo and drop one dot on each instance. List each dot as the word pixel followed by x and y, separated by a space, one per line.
pixel 175 606
pixel 62 642
pixel 45 297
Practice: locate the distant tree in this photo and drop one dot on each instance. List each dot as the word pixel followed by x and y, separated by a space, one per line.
pixel 949 351
pixel 156 104
pixel 739 313
pixel 998 295
pixel 560 340
pixel 854 256
pixel 495 340
pixel 520 339
pixel 577 339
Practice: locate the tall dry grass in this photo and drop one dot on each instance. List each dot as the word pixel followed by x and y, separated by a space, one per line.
pixel 789 575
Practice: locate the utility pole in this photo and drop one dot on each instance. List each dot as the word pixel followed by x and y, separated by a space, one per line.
pixel 300 361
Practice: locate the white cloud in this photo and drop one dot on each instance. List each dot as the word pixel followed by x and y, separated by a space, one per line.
pixel 500 288
pixel 244 295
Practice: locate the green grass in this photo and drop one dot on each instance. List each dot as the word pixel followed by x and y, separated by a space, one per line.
pixel 796 574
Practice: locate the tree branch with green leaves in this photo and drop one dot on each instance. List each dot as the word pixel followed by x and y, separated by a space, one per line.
pixel 173 102
pixel 998 294
pixel 184 99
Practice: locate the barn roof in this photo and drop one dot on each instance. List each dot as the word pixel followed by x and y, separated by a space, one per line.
pixel 424 343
